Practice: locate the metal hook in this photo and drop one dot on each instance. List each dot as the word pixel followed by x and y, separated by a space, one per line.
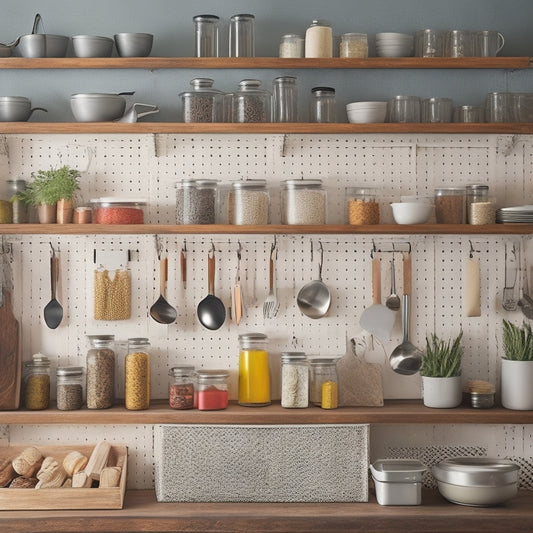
pixel 239 250
pixel 472 251
pixel 158 246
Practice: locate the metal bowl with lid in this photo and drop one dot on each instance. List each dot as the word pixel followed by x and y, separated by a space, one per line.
pixel 477 481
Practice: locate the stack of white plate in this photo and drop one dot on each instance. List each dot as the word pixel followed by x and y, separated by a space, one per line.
pixel 523 213
pixel 365 112
pixel 394 44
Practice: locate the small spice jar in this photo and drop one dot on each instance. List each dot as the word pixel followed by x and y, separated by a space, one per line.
pixel 480 209
pixel 212 389
pixel 182 387
pixel 137 379
pixel 250 103
pixel 82 215
pixel 450 205
pixel 254 372
pixel 203 103
pixel 322 107
pixel 69 388
pixel 249 203
pixel 319 39
pixel 37 382
pixel 292 45
pixel 303 202
pixel 294 380
pixel 353 45
pixel 100 373
pixel 117 211
pixel 363 207
pixel 321 371
pixel 196 201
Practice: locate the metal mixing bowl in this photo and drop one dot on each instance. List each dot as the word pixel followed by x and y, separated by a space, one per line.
pixel 97 107
pixel 16 109
pixel 92 46
pixel 134 44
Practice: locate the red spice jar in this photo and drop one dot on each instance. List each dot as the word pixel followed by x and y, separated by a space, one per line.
pixel 118 211
pixel 212 389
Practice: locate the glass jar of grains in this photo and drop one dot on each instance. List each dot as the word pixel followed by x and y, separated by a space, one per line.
pixel 137 379
pixel 203 103
pixel 196 201
pixel 319 39
pixel 323 378
pixel 251 103
pixel 100 377
pixel 249 203
pixel 117 211
pixel 480 209
pixel 182 387
pixel 303 202
pixel 363 208
pixel 212 389
pixel 450 205
pixel 294 380
pixel 292 45
pixel 37 382
pixel 69 388
pixel 353 45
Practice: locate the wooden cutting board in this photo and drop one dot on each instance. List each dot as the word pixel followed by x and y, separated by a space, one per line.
pixel 10 357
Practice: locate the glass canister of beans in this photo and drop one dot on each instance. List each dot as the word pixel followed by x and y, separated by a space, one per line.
pixel 251 103
pixel 450 205
pixel 100 373
pixel 303 202
pixel 182 387
pixel 363 207
pixel 249 203
pixel 212 389
pixel 203 103
pixel 196 201
pixel 69 388
pixel 36 383
pixel 137 379
pixel 117 211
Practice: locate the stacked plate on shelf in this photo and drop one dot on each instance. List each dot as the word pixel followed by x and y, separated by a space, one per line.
pixel 523 213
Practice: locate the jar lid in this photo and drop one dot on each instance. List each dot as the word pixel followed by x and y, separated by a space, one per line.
pixel 285 79
pixel 181 370
pixel 212 374
pixel 450 190
pixel 323 359
pixel 292 36
pixel 197 184
pixel 293 356
pixel 320 22
pixel 205 18
pixel 252 337
pixel 137 341
pixel 250 83
pixel 302 184
pixel 242 16
pixel 69 371
pixel 38 359
pixel 354 35
pixel 101 337
pixel 320 90
pixel 476 187
pixel 111 201
pixel 249 184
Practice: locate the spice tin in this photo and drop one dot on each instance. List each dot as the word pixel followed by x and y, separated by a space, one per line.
pixel 182 387
pixel 69 388
pixel 37 382
pixel 249 203
pixel 118 211
pixel 100 372
pixel 196 201
pixel 294 380
pixel 303 202
pixel 137 379
pixel 212 389
pixel 254 372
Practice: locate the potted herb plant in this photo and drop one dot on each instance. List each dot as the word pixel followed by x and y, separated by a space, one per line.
pixel 52 192
pixel 441 372
pixel 517 366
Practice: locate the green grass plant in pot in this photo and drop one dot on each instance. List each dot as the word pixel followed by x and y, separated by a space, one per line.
pixel 441 372
pixel 517 366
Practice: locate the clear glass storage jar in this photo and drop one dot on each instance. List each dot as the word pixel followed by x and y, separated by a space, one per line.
pixel 322 106
pixel 242 36
pixel 202 103
pixel 294 380
pixel 285 99
pixel 321 370
pixel 353 45
pixel 292 45
pixel 254 371
pixel 319 39
pixel 212 389
pixel 303 202
pixel 137 375
pixel 206 35
pixel 363 207
pixel 69 388
pixel 182 387
pixel 479 210
pixel 19 209
pixel 118 211
pixel 249 203
pixel 250 103
pixel 100 372
pixel 196 201
pixel 36 383
pixel 450 205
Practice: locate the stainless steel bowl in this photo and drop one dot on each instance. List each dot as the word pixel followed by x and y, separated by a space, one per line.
pixel 56 45
pixel 43 45
pixel 477 481
pixel 92 46
pixel 16 109
pixel 134 44
pixel 97 107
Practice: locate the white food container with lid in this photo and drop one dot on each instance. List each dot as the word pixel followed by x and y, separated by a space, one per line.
pixel 398 481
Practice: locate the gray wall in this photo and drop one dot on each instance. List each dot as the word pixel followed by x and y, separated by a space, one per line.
pixel 171 23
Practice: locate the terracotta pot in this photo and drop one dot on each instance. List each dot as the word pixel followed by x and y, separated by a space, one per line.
pixel 47 213
pixel 64 211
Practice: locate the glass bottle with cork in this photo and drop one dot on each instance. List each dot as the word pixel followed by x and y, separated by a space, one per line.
pixel 254 372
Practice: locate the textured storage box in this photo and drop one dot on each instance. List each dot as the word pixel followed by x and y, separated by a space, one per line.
pixel 261 463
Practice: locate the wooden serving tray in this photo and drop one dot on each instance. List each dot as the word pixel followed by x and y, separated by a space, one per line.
pixel 66 498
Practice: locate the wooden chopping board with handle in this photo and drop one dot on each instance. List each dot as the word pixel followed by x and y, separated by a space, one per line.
pixel 10 357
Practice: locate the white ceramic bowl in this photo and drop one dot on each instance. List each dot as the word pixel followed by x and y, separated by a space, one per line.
pixel 393 35
pixel 366 105
pixel 411 212
pixel 394 51
pixel 92 46
pixel 369 114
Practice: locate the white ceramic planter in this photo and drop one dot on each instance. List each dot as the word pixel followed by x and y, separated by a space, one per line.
pixel 442 393
pixel 517 385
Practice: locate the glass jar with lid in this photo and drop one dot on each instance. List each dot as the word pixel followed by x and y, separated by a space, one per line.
pixel 206 35
pixel 196 201
pixel 285 99
pixel 18 207
pixel 251 103
pixel 292 45
pixel 118 210
pixel 479 207
pixel 450 205
pixel 100 373
pixel 254 371
pixel 249 203
pixel 137 375
pixel 321 370
pixel 354 45
pixel 69 388
pixel 363 207
pixel 294 380
pixel 212 389
pixel 182 387
pixel 322 107
pixel 303 202
pixel 319 39
pixel 37 382
pixel 203 103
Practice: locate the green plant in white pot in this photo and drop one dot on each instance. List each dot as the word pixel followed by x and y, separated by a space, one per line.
pixel 441 372
pixel 517 366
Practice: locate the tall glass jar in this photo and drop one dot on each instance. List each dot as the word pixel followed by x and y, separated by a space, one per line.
pixel 196 201
pixel 37 383
pixel 137 379
pixel 285 99
pixel 251 103
pixel 69 388
pixel 249 203
pixel 294 380
pixel 100 363
pixel 321 370
pixel 212 389
pixel 450 205
pixel 303 202
pixel 292 45
pixel 206 35
pixel 363 207
pixel 242 36
pixel 254 372
pixel 319 39
pixel 182 387
pixel 203 103
pixel 19 208
pixel 479 214
pixel 322 107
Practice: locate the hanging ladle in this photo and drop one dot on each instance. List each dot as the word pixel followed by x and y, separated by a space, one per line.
pixel 53 312
pixel 211 311
pixel 162 311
